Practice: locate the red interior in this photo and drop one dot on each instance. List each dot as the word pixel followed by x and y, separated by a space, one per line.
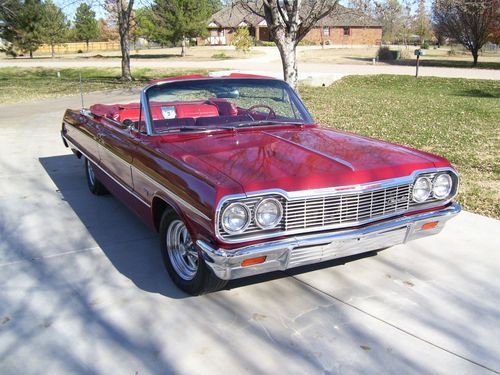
pixel 210 108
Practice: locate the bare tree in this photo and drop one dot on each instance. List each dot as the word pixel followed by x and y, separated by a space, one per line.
pixel 289 21
pixel 466 21
pixel 122 9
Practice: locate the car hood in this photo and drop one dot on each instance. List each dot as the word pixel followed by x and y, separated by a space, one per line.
pixel 304 158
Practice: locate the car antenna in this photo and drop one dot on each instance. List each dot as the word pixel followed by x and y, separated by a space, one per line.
pixel 81 89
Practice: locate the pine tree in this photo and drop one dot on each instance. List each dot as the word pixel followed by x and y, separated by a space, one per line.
pixel 178 20
pixel 86 26
pixel 52 27
pixel 21 25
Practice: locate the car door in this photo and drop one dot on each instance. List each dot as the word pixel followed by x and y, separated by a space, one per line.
pixel 116 150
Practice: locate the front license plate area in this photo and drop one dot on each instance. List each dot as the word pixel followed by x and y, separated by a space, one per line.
pixel 352 246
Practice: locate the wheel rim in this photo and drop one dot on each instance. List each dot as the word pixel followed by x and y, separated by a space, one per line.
pixel 90 171
pixel 181 250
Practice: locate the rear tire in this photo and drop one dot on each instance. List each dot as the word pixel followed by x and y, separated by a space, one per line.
pixel 183 260
pixel 95 186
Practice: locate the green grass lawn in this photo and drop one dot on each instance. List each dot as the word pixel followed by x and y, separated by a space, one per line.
pixel 455 118
pixel 20 84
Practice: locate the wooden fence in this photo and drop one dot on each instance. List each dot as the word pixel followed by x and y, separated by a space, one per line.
pixel 75 47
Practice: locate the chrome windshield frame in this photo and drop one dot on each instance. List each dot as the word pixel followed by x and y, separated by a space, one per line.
pixel 147 113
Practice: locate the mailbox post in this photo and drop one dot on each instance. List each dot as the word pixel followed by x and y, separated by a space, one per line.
pixel 418 53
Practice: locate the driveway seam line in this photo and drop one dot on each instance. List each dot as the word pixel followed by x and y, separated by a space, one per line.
pixel 393 325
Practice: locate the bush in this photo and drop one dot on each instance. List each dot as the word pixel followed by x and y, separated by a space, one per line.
pixel 307 43
pixel 386 54
pixel 220 56
pixel 405 54
pixel 242 40
pixel 264 43
pixel 425 45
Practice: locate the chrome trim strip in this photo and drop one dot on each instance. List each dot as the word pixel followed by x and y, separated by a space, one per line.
pixel 226 263
pixel 145 111
pixel 174 196
pixel 338 160
pixel 158 185
pixel 131 192
pixel 340 190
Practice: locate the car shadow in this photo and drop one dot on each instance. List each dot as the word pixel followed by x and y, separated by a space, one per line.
pixel 131 247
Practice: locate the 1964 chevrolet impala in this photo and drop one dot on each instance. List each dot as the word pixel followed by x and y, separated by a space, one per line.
pixel 239 180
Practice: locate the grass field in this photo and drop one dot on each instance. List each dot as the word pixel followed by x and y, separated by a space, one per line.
pixel 19 84
pixel 455 118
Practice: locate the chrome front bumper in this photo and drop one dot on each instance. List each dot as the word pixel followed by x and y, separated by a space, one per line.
pixel 314 248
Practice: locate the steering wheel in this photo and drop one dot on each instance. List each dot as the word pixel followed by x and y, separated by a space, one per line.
pixel 252 111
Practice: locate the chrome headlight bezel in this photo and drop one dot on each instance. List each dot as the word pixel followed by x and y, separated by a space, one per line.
pixel 242 228
pixel 278 217
pixel 428 182
pixel 434 181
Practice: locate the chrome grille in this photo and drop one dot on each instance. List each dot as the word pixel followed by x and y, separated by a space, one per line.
pixel 346 208
pixel 304 213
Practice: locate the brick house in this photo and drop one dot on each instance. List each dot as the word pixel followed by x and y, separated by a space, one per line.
pixel 344 27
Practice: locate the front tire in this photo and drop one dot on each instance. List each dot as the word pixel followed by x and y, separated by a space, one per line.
pixel 95 186
pixel 183 261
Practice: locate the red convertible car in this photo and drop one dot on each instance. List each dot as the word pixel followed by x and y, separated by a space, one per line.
pixel 238 180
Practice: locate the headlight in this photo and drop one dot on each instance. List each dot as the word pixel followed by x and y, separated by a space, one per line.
pixel 268 213
pixel 421 189
pixel 235 218
pixel 441 186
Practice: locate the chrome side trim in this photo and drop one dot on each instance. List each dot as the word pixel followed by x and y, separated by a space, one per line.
pixel 172 195
pixel 338 160
pixel 350 189
pixel 315 248
pixel 157 184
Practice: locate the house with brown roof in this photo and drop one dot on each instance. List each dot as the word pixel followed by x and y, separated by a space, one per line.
pixel 343 27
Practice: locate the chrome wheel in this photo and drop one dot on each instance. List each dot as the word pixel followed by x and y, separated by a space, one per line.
pixel 90 172
pixel 181 250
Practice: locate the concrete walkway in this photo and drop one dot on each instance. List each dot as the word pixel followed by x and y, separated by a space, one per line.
pixel 83 290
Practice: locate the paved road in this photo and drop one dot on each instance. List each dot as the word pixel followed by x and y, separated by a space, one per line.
pixel 268 63
pixel 82 288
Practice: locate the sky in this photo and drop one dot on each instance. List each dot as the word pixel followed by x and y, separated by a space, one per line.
pixel 69 6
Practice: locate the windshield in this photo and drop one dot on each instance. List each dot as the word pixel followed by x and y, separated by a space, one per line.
pixel 222 103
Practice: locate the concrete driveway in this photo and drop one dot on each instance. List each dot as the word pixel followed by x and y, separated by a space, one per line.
pixel 83 290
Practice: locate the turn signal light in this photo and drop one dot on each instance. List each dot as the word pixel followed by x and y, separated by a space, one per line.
pixel 252 261
pixel 430 225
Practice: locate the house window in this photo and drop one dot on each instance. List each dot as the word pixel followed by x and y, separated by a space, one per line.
pixel 347 31
pixel 326 31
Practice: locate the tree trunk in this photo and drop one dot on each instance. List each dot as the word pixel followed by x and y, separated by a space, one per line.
pixel 125 48
pixel 183 44
pixel 475 55
pixel 31 54
pixel 52 50
pixel 288 54
pixel 87 45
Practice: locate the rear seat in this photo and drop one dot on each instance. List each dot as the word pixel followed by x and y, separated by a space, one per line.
pixel 121 112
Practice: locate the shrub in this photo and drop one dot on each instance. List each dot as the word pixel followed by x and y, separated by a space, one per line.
pixel 220 56
pixel 405 54
pixel 308 43
pixel 386 54
pixel 425 45
pixel 264 43
pixel 242 40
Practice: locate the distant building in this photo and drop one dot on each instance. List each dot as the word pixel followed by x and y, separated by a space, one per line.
pixel 344 27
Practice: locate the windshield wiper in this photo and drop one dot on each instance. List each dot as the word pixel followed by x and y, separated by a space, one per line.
pixel 194 129
pixel 267 122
